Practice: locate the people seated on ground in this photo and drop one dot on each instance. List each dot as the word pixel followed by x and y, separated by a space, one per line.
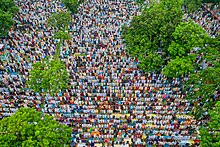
pixel 110 101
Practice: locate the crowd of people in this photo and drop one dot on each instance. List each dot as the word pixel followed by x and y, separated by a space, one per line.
pixel 208 20
pixel 110 101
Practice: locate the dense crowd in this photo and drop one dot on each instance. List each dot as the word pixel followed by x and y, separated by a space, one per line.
pixel 208 20
pixel 110 101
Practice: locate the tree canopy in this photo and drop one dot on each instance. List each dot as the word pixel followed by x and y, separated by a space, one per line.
pixel 211 1
pixel 202 86
pixel 62 35
pixel 7 10
pixel 59 20
pixel 151 32
pixel 178 66
pixel 6 22
pixel 48 76
pixel 8 6
pixel 189 39
pixel 186 37
pixel 29 128
pixel 203 83
pixel 210 134
pixel 178 49
pixel 192 5
pixel 72 5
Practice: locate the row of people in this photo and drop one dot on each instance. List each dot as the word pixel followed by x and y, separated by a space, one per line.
pixel 207 20
pixel 109 99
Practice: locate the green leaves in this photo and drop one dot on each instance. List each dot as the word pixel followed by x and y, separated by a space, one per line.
pixel 60 20
pixel 152 62
pixel 160 40
pixel 140 2
pixel 6 22
pixel 7 10
pixel 72 5
pixel 8 6
pixel 151 31
pixel 192 5
pixel 201 90
pixel 187 36
pixel 48 77
pixel 29 128
pixel 51 76
pixel 62 35
pixel 38 77
pixel 210 134
pixel 178 67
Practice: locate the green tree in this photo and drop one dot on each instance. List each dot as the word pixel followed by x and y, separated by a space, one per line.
pixel 193 53
pixel 178 67
pixel 72 5
pixel 210 134
pixel 189 40
pixel 60 22
pixel 211 1
pixel 8 6
pixel 154 62
pixel 201 89
pixel 187 36
pixel 202 86
pixel 6 22
pixel 7 10
pixel 29 128
pixel 48 76
pixel 192 5
pixel 177 48
pixel 140 1
pixel 152 31
pixel 62 36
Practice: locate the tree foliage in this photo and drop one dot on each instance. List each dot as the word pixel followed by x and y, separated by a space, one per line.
pixel 210 134
pixel 187 36
pixel 178 67
pixel 48 76
pixel 192 5
pixel 178 49
pixel 151 31
pixel 189 40
pixel 59 20
pixel 7 10
pixel 154 62
pixel 6 22
pixel 211 1
pixel 201 90
pixel 29 128
pixel 62 35
pixel 204 83
pixel 8 6
pixel 72 5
